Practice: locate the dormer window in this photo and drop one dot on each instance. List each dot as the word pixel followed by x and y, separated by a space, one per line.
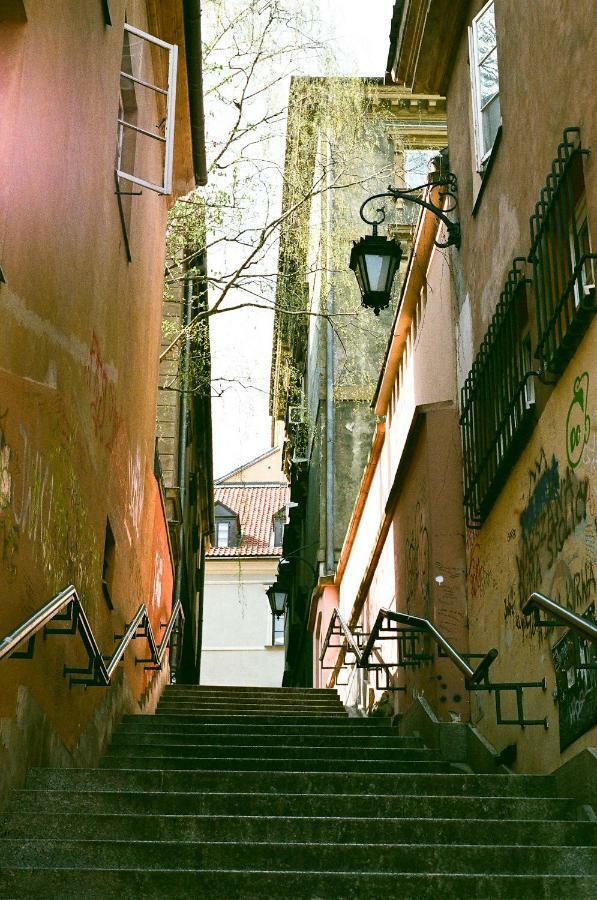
pixel 227 526
pixel 278 523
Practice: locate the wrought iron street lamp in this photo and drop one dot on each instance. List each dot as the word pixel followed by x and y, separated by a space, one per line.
pixel 277 599
pixel 375 259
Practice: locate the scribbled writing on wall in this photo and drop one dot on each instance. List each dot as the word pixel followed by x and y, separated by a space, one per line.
pixel 42 510
pixel 556 508
pixel 575 664
pixel 158 574
pixel 136 489
pixel 416 554
pixel 104 409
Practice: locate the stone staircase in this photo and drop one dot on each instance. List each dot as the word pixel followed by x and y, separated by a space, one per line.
pixel 263 792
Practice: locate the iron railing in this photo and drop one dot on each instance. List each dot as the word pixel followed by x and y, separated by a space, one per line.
pixel 497 400
pixel 563 264
pixel 67 609
pixel 407 631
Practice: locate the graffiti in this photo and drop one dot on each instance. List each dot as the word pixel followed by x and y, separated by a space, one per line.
pixel 136 489
pixel 555 508
pixel 574 589
pixel 514 616
pixel 417 566
pixel 33 515
pixel 157 580
pixel 576 678
pixel 104 412
pixel 478 576
pixel 578 422
pixel 9 535
pixel 511 534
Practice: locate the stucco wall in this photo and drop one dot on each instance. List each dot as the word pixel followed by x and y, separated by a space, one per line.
pixel 541 532
pixel 78 345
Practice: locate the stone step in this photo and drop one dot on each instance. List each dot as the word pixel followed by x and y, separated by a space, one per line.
pixel 247 697
pixel 172 725
pixel 321 857
pixel 188 718
pixel 273 782
pixel 361 806
pixel 333 829
pixel 76 882
pixel 194 709
pixel 219 762
pixel 248 689
pixel 180 738
pixel 278 750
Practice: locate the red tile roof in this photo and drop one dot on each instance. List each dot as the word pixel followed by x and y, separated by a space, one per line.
pixel 255 505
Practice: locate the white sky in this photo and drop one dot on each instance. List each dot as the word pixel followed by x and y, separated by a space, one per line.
pixel 242 341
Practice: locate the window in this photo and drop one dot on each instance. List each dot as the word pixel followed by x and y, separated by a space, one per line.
pixel 108 564
pixel 278 630
pixel 485 82
pixel 498 400
pixel 278 522
pixel 562 257
pixel 146 111
pixel 222 534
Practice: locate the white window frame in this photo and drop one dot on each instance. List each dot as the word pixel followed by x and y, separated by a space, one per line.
pixel 582 286
pixel 474 63
pixel 170 93
pixel 220 526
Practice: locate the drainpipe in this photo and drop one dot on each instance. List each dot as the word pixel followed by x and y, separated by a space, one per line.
pixel 182 453
pixel 192 36
pixel 329 374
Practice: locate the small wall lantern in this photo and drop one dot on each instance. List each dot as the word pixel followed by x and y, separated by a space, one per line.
pixel 277 599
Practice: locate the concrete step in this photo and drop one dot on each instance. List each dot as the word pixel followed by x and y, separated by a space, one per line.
pixel 247 697
pixel 273 782
pixel 321 857
pixel 273 763
pixel 360 806
pixel 180 738
pixel 277 750
pixel 76 882
pixel 173 725
pixel 305 829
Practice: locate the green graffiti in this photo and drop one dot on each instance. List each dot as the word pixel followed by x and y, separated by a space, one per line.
pixel 578 422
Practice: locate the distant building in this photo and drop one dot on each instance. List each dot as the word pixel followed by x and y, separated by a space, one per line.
pixel 243 643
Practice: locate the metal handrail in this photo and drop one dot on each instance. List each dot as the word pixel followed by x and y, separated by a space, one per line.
pixel 66 607
pixel 472 676
pixel 560 614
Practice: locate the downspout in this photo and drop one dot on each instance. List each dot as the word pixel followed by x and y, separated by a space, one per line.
pixel 192 37
pixel 329 375
pixel 182 453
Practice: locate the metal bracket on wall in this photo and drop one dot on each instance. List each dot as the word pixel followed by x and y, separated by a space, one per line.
pixel 517 687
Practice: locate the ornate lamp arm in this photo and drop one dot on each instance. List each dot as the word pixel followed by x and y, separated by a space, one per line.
pixel 448 181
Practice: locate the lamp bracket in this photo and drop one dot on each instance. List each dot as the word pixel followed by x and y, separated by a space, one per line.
pixel 447 182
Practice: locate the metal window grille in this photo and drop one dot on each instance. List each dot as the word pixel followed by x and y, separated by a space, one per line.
pixel 563 264
pixel 497 400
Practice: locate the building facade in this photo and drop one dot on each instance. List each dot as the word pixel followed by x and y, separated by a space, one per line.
pixel 326 359
pixel 99 136
pixel 243 641
pixel 479 489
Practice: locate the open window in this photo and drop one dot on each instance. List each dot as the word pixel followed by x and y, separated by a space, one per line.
pixel 485 85
pixel 146 112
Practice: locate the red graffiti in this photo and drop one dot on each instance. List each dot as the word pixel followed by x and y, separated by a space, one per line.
pixel 103 405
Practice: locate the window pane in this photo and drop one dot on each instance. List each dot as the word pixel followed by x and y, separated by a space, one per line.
pixel 485 33
pixel 222 534
pixel 278 630
pixel 488 78
pixel 490 119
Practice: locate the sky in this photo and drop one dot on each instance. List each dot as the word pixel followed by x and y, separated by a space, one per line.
pixel 242 341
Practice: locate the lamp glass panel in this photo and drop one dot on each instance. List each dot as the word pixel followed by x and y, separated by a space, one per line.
pixel 279 601
pixel 377 271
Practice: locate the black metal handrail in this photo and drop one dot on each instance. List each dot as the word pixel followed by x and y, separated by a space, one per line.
pixel 66 607
pixel 472 676
pixel 561 616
